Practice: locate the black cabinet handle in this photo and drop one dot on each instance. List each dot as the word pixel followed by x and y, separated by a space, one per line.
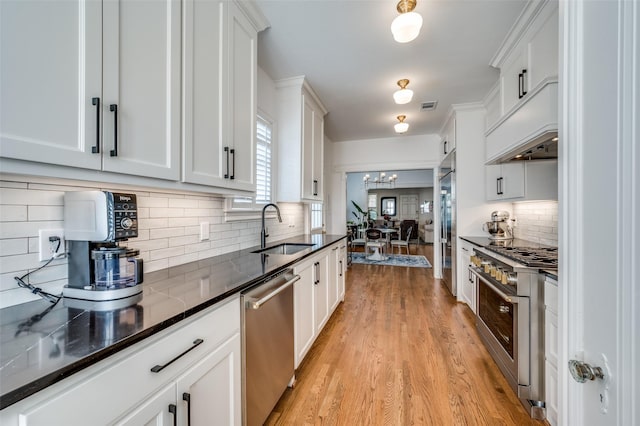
pixel 174 410
pixel 187 397
pixel 114 109
pixel 340 267
pixel 445 148
pixel 524 82
pixel 226 149
pixel 317 271
pixel 315 187
pixel 96 148
pixel 520 86
pixel 159 368
pixel 233 163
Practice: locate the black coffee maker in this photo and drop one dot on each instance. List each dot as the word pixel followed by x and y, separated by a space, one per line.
pixel 94 224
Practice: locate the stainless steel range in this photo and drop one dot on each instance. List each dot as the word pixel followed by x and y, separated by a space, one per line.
pixel 510 315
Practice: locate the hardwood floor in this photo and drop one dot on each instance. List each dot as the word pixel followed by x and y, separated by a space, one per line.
pixel 399 351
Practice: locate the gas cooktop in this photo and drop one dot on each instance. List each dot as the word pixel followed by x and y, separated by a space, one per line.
pixel 534 257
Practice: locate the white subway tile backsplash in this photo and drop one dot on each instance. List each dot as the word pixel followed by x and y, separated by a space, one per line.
pixel 537 222
pixel 168 234
pixel 13 213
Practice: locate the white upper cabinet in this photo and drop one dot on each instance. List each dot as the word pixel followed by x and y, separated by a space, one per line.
pixel 300 141
pixel 48 83
pixel 529 55
pixel 522 181
pixel 220 66
pixel 448 141
pixel 103 94
pixel 141 88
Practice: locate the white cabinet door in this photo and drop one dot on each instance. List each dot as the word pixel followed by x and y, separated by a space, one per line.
pixel 448 142
pixel 466 279
pixel 307 148
pixel 342 269
pixel 48 82
pixel 204 161
pixel 159 410
pixel 141 86
pixel 242 82
pixel 333 278
pixel 211 389
pixel 321 292
pixel 304 311
pixel 504 181
pixel 318 156
pixel 513 79
pixel 220 68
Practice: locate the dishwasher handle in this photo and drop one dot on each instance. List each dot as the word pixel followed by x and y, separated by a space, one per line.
pixel 255 303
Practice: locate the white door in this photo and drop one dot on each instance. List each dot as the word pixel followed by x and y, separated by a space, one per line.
pixel 599 185
pixel 409 207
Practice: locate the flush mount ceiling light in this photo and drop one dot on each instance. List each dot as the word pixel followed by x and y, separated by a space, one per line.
pixel 404 95
pixel 401 127
pixel 406 26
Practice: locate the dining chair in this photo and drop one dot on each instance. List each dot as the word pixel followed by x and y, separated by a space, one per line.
pixel 401 243
pixel 374 240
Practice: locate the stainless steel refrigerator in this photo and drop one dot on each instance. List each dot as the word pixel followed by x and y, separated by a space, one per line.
pixel 448 221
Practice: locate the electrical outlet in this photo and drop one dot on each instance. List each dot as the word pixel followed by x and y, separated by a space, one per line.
pixel 48 248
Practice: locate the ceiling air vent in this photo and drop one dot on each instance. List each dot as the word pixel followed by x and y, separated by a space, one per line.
pixel 428 106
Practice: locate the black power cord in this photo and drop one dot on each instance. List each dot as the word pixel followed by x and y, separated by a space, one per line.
pixel 37 290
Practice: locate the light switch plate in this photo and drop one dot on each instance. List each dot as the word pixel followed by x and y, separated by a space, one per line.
pixel 204 231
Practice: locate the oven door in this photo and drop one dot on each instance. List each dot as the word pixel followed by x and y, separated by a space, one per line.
pixel 503 323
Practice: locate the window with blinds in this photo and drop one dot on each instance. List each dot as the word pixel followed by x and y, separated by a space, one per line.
pixel 263 161
pixel 264 150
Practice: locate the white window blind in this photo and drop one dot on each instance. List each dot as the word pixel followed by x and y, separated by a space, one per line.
pixel 316 215
pixel 263 161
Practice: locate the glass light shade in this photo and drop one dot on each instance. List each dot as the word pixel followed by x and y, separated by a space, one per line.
pixel 401 127
pixel 406 27
pixel 403 96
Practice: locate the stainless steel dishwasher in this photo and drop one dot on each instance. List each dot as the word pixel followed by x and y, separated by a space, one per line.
pixel 267 344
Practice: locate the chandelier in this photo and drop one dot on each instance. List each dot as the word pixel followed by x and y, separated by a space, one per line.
pixel 406 26
pixel 382 180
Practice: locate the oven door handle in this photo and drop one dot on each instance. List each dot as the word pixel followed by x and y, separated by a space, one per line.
pixel 506 297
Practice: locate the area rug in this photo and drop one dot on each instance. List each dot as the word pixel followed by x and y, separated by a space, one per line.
pixel 394 260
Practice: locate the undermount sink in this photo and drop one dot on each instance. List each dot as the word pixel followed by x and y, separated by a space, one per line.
pixel 284 248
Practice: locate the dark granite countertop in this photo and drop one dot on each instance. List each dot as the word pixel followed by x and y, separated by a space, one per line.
pixel 41 344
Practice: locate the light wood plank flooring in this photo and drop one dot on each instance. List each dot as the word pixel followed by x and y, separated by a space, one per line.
pixel 399 351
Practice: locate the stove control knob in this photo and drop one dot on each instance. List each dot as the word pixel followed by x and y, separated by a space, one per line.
pixel 581 371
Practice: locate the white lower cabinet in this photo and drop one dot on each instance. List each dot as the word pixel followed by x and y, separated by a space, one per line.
pixel 124 390
pixel 467 280
pixel 551 349
pixel 316 295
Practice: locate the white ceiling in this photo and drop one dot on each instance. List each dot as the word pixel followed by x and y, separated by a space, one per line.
pixel 346 51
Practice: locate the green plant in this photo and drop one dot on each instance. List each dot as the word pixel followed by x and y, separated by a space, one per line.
pixel 360 215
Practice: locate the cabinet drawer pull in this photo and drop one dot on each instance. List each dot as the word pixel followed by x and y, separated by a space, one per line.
pixel 524 83
pixel 96 148
pixel 226 150
pixel 187 397
pixel 315 187
pixel 233 164
pixel 174 410
pixel 159 368
pixel 114 108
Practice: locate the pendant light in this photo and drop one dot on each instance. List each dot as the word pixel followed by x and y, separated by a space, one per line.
pixel 406 26
pixel 404 95
pixel 401 126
